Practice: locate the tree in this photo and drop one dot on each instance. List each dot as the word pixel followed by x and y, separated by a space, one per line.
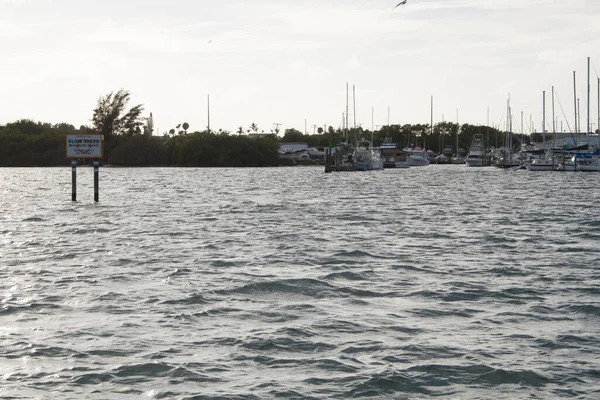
pixel 240 131
pixel 254 127
pixel 111 118
pixel 185 127
pixel 292 135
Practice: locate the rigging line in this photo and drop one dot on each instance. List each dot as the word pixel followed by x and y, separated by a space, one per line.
pixel 564 116
pixel 595 70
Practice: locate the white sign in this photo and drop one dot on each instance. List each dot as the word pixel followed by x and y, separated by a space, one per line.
pixel 84 146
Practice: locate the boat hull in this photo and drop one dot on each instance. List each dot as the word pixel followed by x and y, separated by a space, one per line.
pixel 476 162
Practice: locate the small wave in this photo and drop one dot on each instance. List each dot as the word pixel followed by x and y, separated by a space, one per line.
pixel 305 287
pixel 342 326
pixel 33 219
pixel 510 271
pixel 10 309
pixel 497 377
pixel 429 313
pixel 588 309
pixel 358 254
pixel 92 379
pixel 220 311
pixel 347 275
pixel 367 347
pixel 387 383
pixel 194 298
pixel 286 344
pixel 412 268
pixel 158 369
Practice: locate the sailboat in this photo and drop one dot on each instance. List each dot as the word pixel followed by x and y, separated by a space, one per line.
pixel 545 162
pixel 364 157
pixel 458 159
pixel 506 159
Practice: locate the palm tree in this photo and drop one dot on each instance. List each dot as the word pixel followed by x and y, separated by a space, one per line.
pixel 254 127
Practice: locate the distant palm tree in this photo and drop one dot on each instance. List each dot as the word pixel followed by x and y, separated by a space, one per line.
pixel 185 127
pixel 240 131
pixel 254 127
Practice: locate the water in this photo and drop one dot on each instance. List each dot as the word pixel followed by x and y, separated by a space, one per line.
pixel 290 283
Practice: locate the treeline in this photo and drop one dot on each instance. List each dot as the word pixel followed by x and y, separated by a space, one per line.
pixel 129 140
pixel 28 143
pixel 443 133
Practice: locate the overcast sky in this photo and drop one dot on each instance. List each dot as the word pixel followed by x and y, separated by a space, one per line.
pixel 287 62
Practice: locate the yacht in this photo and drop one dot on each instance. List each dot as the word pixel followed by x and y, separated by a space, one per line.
pixel 477 156
pixel 366 158
pixel 417 157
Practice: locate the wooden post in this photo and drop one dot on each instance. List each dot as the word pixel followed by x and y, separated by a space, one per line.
pixel 327 159
pixel 73 180
pixel 96 179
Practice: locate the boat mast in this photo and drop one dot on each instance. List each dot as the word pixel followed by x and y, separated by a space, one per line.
pixel 544 119
pixel 522 130
pixel 372 118
pixel 354 113
pixel 457 128
pixel 372 124
pixel 553 121
pixel 431 126
pixel 347 112
pixel 588 96
pixel 575 100
pixel 578 115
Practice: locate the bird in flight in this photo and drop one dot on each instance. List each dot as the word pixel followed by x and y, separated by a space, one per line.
pixel 403 2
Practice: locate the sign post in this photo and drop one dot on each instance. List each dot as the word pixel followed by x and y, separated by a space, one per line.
pixel 73 180
pixel 85 146
pixel 96 180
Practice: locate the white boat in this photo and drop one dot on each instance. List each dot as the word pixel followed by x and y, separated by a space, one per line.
pixel 417 157
pixel 441 159
pixel 457 159
pixel 365 157
pixel 585 162
pixel 543 163
pixel 477 156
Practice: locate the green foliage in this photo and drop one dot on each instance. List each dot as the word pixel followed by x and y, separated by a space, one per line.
pixel 293 136
pixel 27 144
pixel 140 150
pixel 110 117
pixel 203 149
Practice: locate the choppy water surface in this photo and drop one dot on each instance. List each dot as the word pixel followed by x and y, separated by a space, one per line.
pixel 292 283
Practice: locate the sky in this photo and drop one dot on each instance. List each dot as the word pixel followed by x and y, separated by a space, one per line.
pixel 287 62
